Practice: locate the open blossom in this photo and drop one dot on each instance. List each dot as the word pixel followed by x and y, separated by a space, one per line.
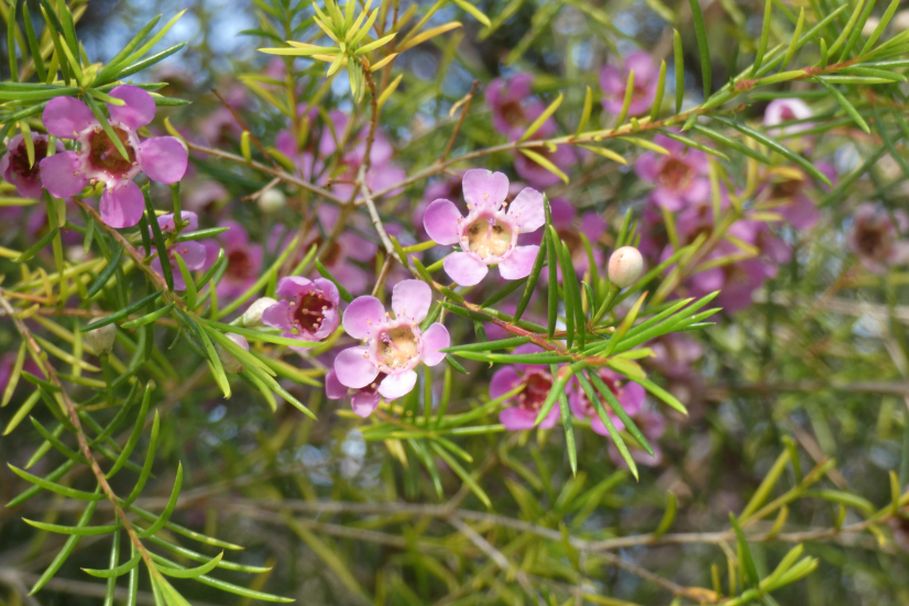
pixel 488 235
pixel 536 381
pixel 306 308
pixel 192 252
pixel 680 177
pixel 514 108
pixel 875 237
pixel 163 159
pixel 629 394
pixel 613 80
pixel 393 346
pixel 15 167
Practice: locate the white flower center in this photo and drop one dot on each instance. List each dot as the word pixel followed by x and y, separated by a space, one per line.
pixel 488 236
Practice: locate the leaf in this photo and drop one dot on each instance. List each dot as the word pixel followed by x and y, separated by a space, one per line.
pixel 542 118
pixel 474 12
pixel 846 105
pixel 700 34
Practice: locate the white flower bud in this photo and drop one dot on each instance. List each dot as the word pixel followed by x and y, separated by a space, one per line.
pixel 870 25
pixel 253 314
pixel 272 200
pixel 100 340
pixel 625 266
pixel 232 364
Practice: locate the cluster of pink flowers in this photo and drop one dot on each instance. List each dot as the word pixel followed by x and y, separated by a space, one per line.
pixel 681 186
pixel 97 160
pixel 535 383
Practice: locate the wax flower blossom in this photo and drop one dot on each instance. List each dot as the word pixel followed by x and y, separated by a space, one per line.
pixel 16 169
pixel 514 108
pixel 780 112
pixel 162 159
pixel 536 381
pixel 488 235
pixel 192 252
pixel 363 400
pixel 306 308
pixel 875 237
pixel 680 177
pixel 613 81
pixel 629 394
pixel 393 346
pixel 244 260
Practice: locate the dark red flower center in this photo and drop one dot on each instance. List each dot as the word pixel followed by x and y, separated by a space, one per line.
pixel 537 385
pixel 18 159
pixel 310 311
pixel 239 265
pixel 513 112
pixel 102 155
pixel 675 173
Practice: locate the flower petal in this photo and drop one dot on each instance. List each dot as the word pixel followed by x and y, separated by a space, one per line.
pixel 66 117
pixel 122 205
pixel 410 300
pixel 519 263
pixel 464 268
pixel 354 369
pixel 329 290
pixel 435 339
pixel 397 385
pixel 361 315
pixel 517 419
pixel 61 175
pixel 503 380
pixel 333 388
pixel 484 188
pixel 526 210
pixel 291 287
pixel 193 254
pixel 139 109
pixel 277 316
pixel 441 221
pixel 364 403
pixel 163 159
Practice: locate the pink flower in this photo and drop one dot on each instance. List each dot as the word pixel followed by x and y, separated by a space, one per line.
pixel 393 346
pixel 15 169
pixel 514 108
pixel 680 177
pixel 488 234
pixel 192 252
pixel 875 237
pixel 536 381
pixel 163 159
pixel 363 401
pixel 780 112
pixel 613 80
pixel 630 395
pixel 306 308
pixel 244 261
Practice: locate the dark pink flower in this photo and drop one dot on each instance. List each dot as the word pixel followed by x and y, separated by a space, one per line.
pixel 393 346
pixel 680 177
pixel 244 261
pixel 488 234
pixel 192 252
pixel 163 159
pixel 514 108
pixel 875 237
pixel 536 381
pixel 613 81
pixel 15 168
pixel 629 394
pixel 306 308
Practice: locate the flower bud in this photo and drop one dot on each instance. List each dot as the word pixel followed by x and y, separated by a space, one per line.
pixel 253 314
pixel 272 200
pixel 625 266
pixel 232 364
pixel 100 340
